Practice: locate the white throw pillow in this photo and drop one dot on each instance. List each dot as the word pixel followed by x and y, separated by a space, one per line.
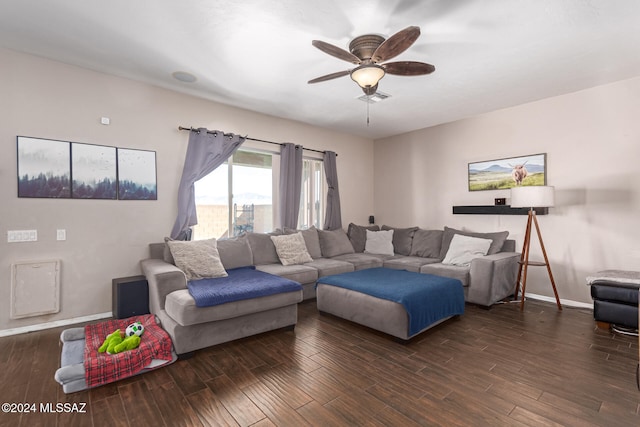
pixel 198 259
pixel 291 249
pixel 464 248
pixel 379 242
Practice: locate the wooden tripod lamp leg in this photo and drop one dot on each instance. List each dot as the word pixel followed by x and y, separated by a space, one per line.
pixel 524 259
pixel 546 260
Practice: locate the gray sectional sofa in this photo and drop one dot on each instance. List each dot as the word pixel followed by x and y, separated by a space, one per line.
pixel 486 280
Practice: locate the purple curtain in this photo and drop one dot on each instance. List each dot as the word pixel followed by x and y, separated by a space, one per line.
pixel 333 216
pixel 206 151
pixel 290 184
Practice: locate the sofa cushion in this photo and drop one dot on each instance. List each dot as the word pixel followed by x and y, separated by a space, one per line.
pixel 463 249
pixel 358 235
pixel 262 248
pixel 452 271
pixel 361 261
pixel 379 242
pixel 291 249
pixel 198 259
pixel 181 307
pixel 235 252
pixel 298 273
pixel 426 243
pixel 311 240
pixel 497 239
pixel 402 239
pixel 409 263
pixel 327 267
pixel 334 243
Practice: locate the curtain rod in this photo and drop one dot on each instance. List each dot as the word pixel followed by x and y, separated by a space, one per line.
pixel 252 139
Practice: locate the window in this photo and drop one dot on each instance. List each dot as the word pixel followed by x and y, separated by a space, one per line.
pixel 312 194
pixel 236 197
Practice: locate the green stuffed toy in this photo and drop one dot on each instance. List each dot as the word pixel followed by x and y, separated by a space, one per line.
pixel 114 343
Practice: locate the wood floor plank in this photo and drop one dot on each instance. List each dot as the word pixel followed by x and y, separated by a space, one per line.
pixel 140 407
pixel 210 409
pixel 174 406
pixel 186 378
pixel 109 411
pixel 241 408
pixel 276 409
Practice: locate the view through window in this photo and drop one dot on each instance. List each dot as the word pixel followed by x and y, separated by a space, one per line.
pixel 236 197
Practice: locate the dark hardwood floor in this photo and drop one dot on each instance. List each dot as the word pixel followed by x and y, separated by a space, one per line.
pixel 487 367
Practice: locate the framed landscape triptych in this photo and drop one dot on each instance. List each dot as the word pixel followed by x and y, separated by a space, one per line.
pixel 59 169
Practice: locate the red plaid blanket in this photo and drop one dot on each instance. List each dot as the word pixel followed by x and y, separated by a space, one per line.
pixel 103 368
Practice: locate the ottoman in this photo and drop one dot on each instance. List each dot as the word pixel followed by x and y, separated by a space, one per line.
pixel 397 302
pixel 615 298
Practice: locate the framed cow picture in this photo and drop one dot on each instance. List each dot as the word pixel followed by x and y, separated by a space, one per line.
pixel 502 174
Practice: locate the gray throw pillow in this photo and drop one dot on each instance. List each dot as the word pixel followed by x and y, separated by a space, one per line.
pixel 311 240
pixel 291 249
pixel 426 243
pixel 198 259
pixel 262 248
pixel 402 239
pixel 358 235
pixel 334 243
pixel 235 252
pixel 497 239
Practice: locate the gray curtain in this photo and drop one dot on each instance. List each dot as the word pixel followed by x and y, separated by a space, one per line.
pixel 290 184
pixel 333 216
pixel 206 151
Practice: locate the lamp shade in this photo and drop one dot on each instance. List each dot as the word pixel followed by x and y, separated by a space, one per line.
pixel 538 196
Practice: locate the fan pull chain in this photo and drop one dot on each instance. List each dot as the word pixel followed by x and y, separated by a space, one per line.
pixel 368 102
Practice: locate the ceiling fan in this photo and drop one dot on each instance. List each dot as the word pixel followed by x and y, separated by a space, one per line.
pixel 368 52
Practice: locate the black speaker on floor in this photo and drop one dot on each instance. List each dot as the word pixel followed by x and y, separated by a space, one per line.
pixel 130 296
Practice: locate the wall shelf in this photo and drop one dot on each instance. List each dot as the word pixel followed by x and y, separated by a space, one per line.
pixel 496 210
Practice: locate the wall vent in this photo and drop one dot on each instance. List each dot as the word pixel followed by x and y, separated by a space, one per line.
pixel 35 288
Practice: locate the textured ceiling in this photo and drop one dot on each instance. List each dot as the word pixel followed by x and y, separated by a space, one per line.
pixel 257 54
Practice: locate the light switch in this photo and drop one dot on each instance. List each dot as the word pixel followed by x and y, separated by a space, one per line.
pixel 61 234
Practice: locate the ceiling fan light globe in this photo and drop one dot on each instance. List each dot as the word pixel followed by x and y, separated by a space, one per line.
pixel 367 76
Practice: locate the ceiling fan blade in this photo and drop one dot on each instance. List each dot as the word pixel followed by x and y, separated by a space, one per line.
pixel 336 51
pixel 396 44
pixel 329 77
pixel 408 68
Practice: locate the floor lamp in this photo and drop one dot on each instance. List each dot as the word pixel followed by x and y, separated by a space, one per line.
pixel 532 197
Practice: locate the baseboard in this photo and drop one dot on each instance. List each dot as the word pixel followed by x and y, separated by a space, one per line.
pixel 54 324
pixel 567 302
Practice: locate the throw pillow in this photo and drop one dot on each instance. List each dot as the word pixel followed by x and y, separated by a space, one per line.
pixel 198 259
pixel 311 240
pixel 497 239
pixel 379 242
pixel 426 243
pixel 464 248
pixel 235 252
pixel 358 235
pixel 291 249
pixel 334 243
pixel 262 248
pixel 402 239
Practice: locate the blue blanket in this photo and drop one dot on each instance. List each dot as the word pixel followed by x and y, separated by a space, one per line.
pixel 425 297
pixel 242 283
